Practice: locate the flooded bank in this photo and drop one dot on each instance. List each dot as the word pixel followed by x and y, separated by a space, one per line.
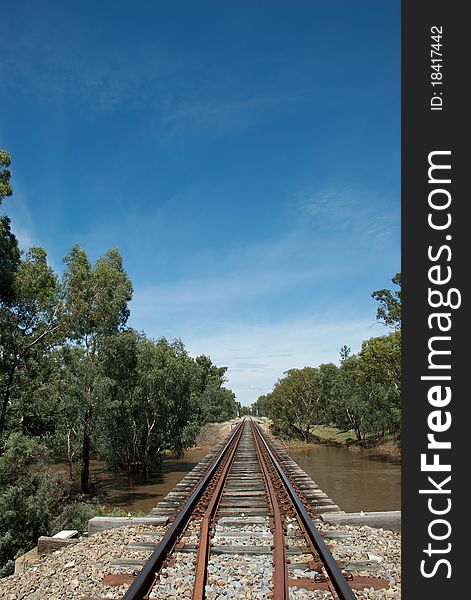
pixel 353 478
pixel 138 495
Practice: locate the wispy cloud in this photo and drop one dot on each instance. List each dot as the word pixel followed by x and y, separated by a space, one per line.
pixel 150 77
pixel 351 208
pixel 227 112
pixel 218 292
pixel 58 74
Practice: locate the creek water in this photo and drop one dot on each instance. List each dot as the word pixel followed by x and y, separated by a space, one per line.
pixel 351 477
pixel 138 495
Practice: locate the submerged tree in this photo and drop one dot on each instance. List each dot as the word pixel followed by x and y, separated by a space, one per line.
pixel 96 306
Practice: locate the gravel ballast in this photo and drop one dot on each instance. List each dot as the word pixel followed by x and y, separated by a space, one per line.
pixel 77 572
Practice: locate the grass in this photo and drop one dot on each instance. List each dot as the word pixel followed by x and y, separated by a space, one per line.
pixel 327 433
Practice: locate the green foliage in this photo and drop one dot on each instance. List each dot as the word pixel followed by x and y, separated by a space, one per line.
pixel 9 260
pixel 213 402
pixel 5 186
pixel 96 299
pixel 368 389
pixel 75 515
pixel 389 309
pixel 29 328
pixel 136 425
pixel 362 395
pixel 261 407
pixel 34 501
pixel 300 400
pixel 29 498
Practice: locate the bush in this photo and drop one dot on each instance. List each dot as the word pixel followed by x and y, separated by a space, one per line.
pixel 29 499
pixel 76 516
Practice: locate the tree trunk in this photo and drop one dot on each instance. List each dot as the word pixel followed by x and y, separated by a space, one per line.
pixel 70 456
pixel 85 475
pixel 6 398
pixel 355 427
pixel 146 457
pixel 3 413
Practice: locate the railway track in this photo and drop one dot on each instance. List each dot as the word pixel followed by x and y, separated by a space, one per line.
pixel 245 510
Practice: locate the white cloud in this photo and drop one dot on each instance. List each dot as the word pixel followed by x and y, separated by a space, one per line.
pixel 277 346
pixel 214 293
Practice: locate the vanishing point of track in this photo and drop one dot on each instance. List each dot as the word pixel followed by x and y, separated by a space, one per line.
pixel 246 483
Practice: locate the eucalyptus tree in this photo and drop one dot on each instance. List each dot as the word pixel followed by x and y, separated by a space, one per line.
pixel 380 375
pixel 96 306
pixel 9 261
pixel 368 387
pixel 299 400
pixel 350 410
pixel 73 372
pixel 9 251
pixel 169 383
pixel 212 402
pixel 389 309
pixel 261 407
pixel 150 409
pixel 120 419
pixel 30 324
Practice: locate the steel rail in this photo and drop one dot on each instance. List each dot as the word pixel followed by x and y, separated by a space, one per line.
pixel 202 556
pixel 338 581
pixel 280 570
pixel 141 586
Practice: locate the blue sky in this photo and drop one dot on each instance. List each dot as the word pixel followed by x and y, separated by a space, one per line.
pixel 244 157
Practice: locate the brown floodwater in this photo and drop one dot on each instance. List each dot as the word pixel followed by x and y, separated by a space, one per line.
pixel 353 478
pixel 137 495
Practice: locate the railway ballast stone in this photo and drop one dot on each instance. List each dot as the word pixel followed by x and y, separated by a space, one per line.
pixel 76 573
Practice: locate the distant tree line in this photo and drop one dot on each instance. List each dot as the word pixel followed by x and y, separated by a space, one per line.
pixel 76 383
pixel 362 394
